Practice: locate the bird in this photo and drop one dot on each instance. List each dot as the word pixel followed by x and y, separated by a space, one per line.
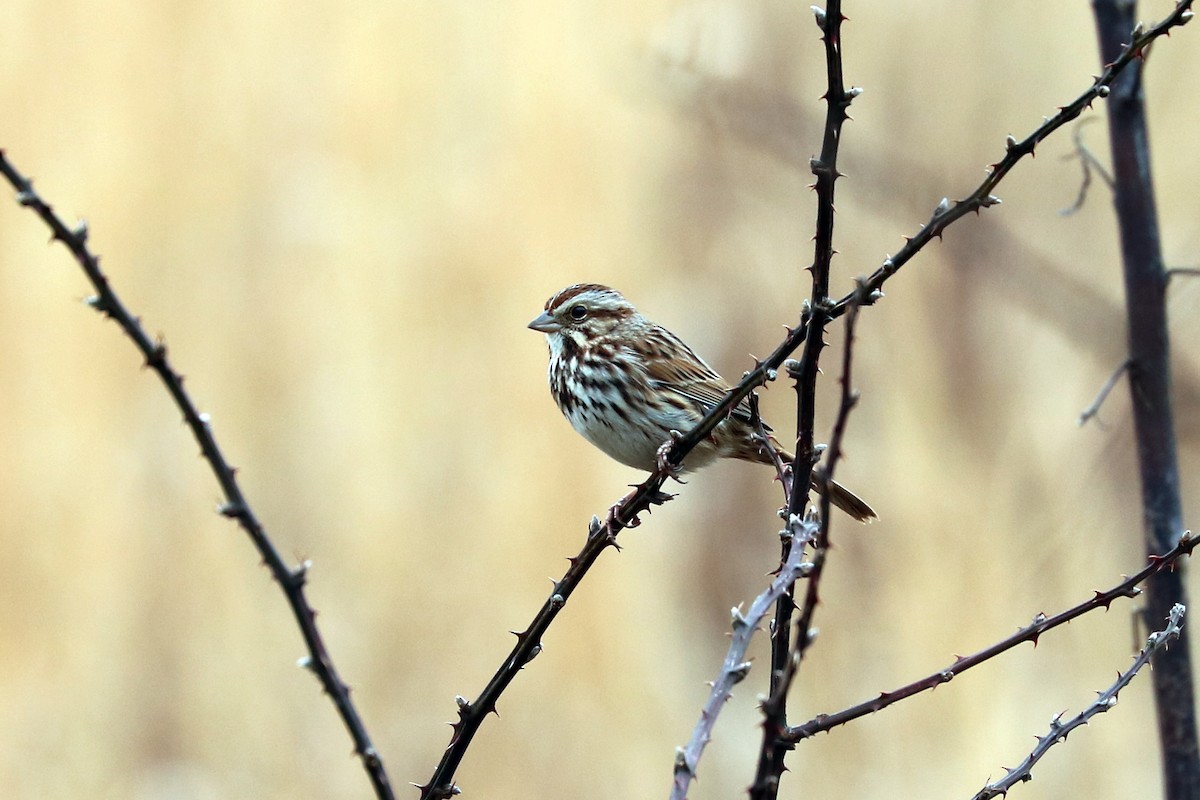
pixel 629 386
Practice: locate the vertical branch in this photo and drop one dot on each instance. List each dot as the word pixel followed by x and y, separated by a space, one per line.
pixel 775 742
pixel 818 315
pixel 1150 386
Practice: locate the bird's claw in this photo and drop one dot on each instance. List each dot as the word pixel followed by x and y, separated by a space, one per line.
pixel 663 458
pixel 613 523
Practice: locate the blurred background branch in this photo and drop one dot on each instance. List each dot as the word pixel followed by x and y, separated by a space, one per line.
pixel 1150 382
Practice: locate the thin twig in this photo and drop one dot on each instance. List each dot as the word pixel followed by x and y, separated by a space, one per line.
pixel 735 667
pixel 1094 409
pixel 1188 271
pixel 782 471
pixel 291 580
pixel 1106 700
pixel 1088 162
pixel 1030 633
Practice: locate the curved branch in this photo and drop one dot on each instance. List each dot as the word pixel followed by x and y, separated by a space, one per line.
pixel 291 580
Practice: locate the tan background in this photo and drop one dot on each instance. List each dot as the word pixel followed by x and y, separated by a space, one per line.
pixel 341 216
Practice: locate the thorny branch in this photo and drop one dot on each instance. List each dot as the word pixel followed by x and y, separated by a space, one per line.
pixel 1105 701
pixel 1030 633
pixel 735 666
pixel 291 580
pixel 782 471
pixel 825 170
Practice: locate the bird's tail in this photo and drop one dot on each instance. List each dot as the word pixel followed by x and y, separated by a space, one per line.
pixel 839 495
pixel 849 502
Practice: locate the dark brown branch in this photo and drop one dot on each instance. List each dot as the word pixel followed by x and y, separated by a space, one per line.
pixel 291 580
pixel 824 168
pixel 1150 382
pixel 1030 633
pixel 1105 701
pixel 471 714
pixel 782 471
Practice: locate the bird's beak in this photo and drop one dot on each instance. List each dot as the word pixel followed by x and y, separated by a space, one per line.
pixel 545 323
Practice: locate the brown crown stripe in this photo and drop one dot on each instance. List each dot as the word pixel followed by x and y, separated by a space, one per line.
pixel 571 292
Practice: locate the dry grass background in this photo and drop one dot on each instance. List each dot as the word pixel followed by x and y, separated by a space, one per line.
pixel 342 216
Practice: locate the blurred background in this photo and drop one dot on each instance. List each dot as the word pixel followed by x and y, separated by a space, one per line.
pixel 342 215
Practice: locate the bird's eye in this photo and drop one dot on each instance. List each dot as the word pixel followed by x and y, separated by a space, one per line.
pixel 578 312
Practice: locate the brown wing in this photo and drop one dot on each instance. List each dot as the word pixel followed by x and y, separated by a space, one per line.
pixel 673 366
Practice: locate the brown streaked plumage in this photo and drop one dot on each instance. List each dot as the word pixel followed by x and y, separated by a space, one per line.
pixel 625 384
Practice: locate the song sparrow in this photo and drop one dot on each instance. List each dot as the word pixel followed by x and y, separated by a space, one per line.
pixel 626 384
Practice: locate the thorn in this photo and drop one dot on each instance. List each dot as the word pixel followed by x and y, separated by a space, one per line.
pixel 231 510
pixel 738 673
pixel 737 618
